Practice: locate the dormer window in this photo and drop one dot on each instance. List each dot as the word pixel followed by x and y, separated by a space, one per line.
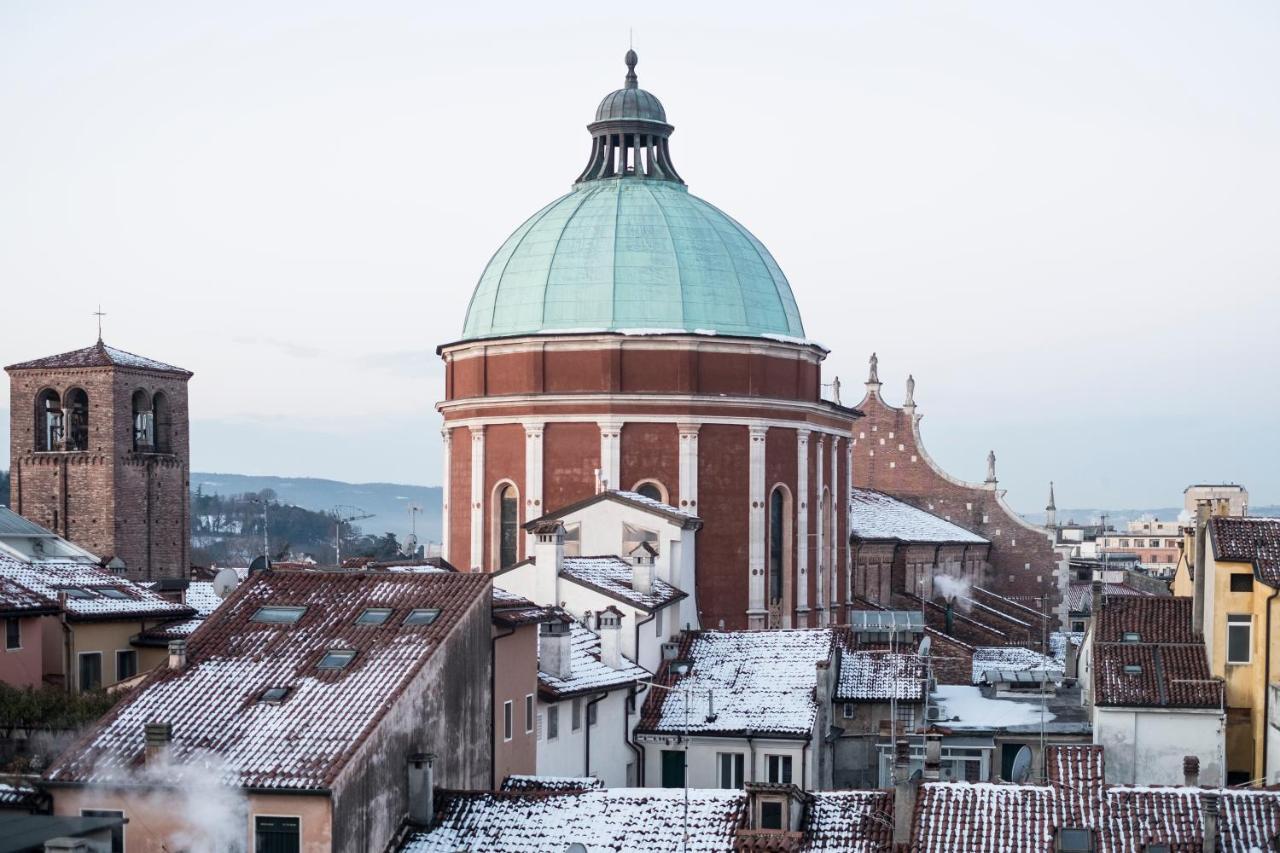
pixel 337 658
pixel 424 616
pixel 278 615
pixel 374 616
pixel 1131 637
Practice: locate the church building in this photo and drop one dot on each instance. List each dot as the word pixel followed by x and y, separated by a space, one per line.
pixel 98 450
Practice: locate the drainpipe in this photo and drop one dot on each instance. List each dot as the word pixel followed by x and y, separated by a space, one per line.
pixel 636 747
pixel 751 746
pixel 804 765
pixel 586 724
pixel 493 715
pixel 66 642
pixel 638 623
pixel 1266 681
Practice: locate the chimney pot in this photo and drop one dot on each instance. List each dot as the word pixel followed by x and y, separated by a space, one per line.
pixel 1191 770
pixel 158 736
pixel 422 784
pixel 609 626
pixel 548 552
pixel 177 654
pixel 555 649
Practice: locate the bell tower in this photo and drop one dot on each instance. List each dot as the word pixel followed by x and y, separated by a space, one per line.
pixel 99 453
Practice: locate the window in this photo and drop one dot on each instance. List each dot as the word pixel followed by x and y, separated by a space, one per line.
pixel 276 834
pixel 577 714
pixel 1241 582
pixel 528 714
pixel 778 769
pixel 77 419
pixel 90 670
pixel 143 422
pixel 1131 637
pixel 374 616
pixel 508 516
pixel 278 615
pixel 1153 543
pixel 1077 627
pixel 906 717
pixel 274 694
pixel 591 714
pixel 508 723
pixel 573 540
pixel 13 633
pixel 48 421
pixel 632 536
pixel 117 832
pixel 848 710
pixel 553 722
pixel 337 658
pixel 771 814
pixel 162 420
pixel 777 543
pixel 652 491
pixel 111 592
pixel 672 768
pixel 732 766
pixel 126 664
pixel 422 617
pixel 1075 840
pixel 1239 638
pixel 1133 669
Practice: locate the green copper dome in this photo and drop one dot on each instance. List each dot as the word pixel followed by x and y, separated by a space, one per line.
pixel 631 250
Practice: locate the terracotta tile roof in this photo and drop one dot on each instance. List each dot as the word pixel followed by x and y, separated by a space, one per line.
pixel 92 593
pixel 612 576
pixel 875 675
pixel 587 673
pixel 1165 665
pixel 521 782
pixel 98 355
pixel 762 682
pixel 17 600
pixel 301 742
pixel 616 819
pixel 1080 595
pixel 875 516
pixel 1248 540
pixel 1159 619
pixel 511 610
pixel 849 822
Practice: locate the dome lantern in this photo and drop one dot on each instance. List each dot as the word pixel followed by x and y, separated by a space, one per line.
pixel 630 133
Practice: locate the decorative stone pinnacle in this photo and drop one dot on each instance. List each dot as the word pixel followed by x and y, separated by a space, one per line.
pixel 633 82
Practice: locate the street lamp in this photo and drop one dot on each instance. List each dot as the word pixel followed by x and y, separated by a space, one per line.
pixel 683 667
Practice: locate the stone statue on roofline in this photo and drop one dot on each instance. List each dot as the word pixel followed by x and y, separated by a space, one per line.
pixel 911 391
pixel 875 370
pixel 991 466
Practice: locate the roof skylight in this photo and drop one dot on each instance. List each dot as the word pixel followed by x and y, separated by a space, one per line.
pixel 374 616
pixel 274 694
pixel 1131 637
pixel 424 616
pixel 75 592
pixel 278 615
pixel 111 592
pixel 337 658
pixel 1133 669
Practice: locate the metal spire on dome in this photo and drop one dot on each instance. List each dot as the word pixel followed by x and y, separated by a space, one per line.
pixel 629 135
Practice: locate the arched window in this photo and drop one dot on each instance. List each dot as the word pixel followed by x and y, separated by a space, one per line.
pixel 777 542
pixel 77 419
pixel 508 518
pixel 163 422
pixel 652 490
pixel 48 421
pixel 143 422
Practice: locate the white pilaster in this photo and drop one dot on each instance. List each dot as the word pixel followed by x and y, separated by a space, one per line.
pixel 446 437
pixel 819 519
pixel 848 523
pixel 688 467
pixel 611 454
pixel 757 615
pixel 833 563
pixel 532 477
pixel 802 528
pixel 477 498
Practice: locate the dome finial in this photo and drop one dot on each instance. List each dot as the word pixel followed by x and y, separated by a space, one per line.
pixel 633 82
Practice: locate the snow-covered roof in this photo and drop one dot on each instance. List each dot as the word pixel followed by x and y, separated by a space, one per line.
pixel 1058 643
pixel 91 593
pixel 216 701
pixel 874 515
pixel 678 515
pixel 17 600
pixel 965 707
pixel 760 681
pixel 874 675
pixel 602 820
pixel 98 355
pixel 1012 659
pixel 1080 595
pixel 200 597
pixel 511 609
pixel 587 672
pixel 650 503
pixel 613 577
pixel 526 782
pixel 849 822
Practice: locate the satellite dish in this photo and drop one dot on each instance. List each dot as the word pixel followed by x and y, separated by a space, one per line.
pixel 410 543
pixel 225 581
pixel 259 564
pixel 1021 766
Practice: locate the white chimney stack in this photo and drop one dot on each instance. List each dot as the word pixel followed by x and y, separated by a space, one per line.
pixel 555 649
pixel 177 654
pixel 642 559
pixel 609 624
pixel 548 556
pixel 422 795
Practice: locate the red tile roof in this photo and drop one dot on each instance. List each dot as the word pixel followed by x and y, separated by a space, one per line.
pixel 98 355
pixel 1165 667
pixel 92 593
pixel 302 742
pixel 1248 540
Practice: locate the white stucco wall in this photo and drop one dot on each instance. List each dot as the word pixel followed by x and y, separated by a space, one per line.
pixel 704 759
pixel 566 754
pixel 1146 746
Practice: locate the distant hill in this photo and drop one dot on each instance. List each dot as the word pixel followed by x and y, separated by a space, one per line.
pixel 1118 517
pixel 388 503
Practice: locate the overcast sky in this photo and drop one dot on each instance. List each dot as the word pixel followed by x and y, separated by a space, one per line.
pixel 1063 218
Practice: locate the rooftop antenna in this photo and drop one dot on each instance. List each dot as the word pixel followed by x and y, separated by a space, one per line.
pixel 99 314
pixel 344 515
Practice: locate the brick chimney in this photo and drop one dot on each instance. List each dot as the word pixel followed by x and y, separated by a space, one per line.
pixel 177 654
pixel 609 624
pixel 642 559
pixel 1209 816
pixel 548 551
pixel 1191 771
pixel 555 649
pixel 422 788
pixel 905 788
pixel 158 737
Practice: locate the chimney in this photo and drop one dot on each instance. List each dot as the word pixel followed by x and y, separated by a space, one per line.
pixel 1191 771
pixel 609 624
pixel 548 554
pixel 555 649
pixel 642 557
pixel 932 758
pixel 1069 663
pixel 1209 816
pixel 1197 594
pixel 951 616
pixel 158 737
pixel 422 788
pixel 905 789
pixel 177 654
pixel 1095 606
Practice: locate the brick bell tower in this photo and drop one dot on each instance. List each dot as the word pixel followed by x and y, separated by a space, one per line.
pixel 99 453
